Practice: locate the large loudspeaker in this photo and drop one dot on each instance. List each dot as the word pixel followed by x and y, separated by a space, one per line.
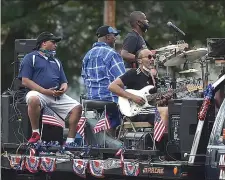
pixel 216 47
pixel 16 131
pixel 183 121
pixel 22 47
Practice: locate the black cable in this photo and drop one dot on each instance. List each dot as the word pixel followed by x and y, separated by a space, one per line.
pixel 18 98
pixel 11 86
pixel 168 152
pixel 18 113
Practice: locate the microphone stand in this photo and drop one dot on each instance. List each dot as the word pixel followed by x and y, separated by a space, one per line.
pixel 173 69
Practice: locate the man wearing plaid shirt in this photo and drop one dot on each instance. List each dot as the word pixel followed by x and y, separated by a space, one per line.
pixel 101 66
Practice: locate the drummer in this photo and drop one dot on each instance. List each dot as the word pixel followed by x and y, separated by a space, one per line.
pixel 134 40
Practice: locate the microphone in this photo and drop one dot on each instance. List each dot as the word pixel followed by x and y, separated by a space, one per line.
pixel 170 24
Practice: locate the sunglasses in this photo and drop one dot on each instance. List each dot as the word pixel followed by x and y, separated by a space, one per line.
pixel 150 56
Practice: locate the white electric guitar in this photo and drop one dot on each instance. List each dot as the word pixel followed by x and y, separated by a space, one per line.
pixel 130 108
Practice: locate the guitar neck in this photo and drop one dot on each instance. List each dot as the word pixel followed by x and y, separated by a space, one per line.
pixel 159 95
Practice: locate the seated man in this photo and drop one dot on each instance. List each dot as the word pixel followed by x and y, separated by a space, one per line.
pixel 43 74
pixel 102 65
pixel 137 79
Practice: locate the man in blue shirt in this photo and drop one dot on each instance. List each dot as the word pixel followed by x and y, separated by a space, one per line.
pixel 102 65
pixel 43 74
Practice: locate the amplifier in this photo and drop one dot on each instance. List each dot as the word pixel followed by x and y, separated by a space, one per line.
pixel 216 47
pixel 183 121
pixel 16 126
pixel 15 121
pixel 138 140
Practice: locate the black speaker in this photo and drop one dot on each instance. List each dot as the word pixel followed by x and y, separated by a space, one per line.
pixel 16 127
pixel 183 121
pixel 15 121
pixel 216 47
pixel 22 47
pixel 52 133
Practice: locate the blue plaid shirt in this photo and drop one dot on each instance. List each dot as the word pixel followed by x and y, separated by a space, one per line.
pixel 101 65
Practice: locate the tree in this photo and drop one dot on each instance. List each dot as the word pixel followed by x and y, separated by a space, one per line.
pixel 77 21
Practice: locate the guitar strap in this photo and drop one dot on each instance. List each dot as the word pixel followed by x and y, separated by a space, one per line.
pixel 149 73
pixel 154 83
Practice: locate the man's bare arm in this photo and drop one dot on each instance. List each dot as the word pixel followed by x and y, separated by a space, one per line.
pixel 128 56
pixel 33 86
pixel 117 87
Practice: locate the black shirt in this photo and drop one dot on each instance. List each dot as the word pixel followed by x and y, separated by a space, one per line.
pixel 136 79
pixel 132 43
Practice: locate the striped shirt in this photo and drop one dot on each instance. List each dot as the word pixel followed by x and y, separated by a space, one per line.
pixel 101 65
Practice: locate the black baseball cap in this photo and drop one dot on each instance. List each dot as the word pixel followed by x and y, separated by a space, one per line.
pixel 47 36
pixel 104 30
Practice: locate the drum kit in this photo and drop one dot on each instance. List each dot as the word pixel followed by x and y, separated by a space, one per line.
pixel 172 57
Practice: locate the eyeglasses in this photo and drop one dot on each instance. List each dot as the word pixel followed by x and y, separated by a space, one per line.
pixel 150 56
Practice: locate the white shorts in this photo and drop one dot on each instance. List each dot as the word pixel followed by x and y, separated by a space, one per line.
pixel 61 106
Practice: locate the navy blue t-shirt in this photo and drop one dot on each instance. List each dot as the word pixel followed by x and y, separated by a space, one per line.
pixel 46 72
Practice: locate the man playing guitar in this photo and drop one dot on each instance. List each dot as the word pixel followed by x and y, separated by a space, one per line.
pixel 137 79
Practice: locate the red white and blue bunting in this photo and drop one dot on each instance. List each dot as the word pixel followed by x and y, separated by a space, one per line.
pixel 131 169
pixel 111 164
pixel 48 164
pixel 32 163
pixel 16 162
pixel 96 168
pixel 222 166
pixel 80 166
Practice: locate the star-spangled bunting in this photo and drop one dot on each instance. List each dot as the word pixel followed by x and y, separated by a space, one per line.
pixel 102 124
pixel 208 95
pixel 159 127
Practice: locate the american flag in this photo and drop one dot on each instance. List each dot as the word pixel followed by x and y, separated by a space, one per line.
pixel 80 125
pixel 50 117
pixel 102 124
pixel 159 127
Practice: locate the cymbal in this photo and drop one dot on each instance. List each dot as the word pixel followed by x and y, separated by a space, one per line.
pixel 190 55
pixel 166 48
pixel 196 53
pixel 188 71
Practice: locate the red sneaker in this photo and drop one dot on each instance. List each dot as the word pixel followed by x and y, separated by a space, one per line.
pixel 34 138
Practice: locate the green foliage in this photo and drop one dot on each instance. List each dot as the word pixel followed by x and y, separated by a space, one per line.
pixel 77 21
